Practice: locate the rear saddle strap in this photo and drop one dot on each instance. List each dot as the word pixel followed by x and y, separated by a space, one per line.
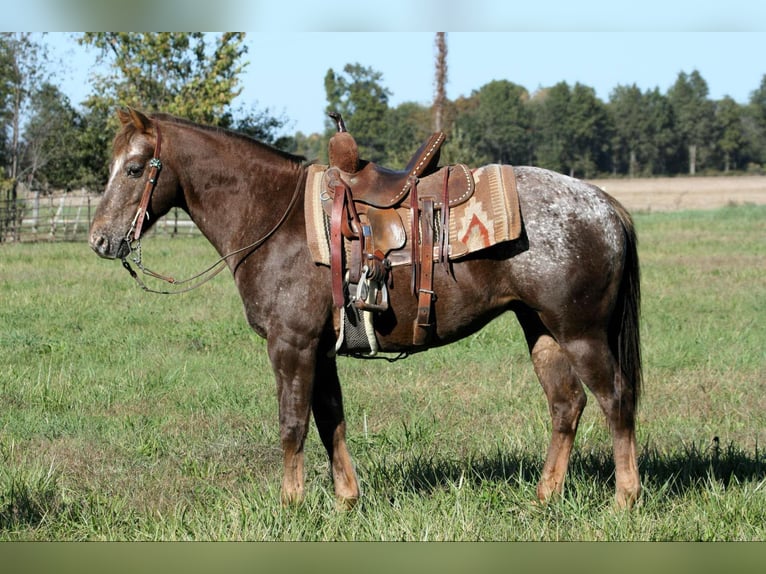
pixel 423 233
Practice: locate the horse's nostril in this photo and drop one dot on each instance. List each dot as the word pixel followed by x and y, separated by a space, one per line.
pixel 99 243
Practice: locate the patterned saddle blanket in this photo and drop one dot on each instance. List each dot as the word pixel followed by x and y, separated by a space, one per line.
pixel 489 217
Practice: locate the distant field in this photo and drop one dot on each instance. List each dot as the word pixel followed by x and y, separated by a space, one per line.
pixel 131 416
pixel 677 193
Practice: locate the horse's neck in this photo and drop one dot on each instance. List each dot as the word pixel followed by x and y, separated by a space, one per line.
pixel 235 198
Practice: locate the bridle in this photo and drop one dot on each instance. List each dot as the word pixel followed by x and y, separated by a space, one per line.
pixel 133 236
pixel 155 164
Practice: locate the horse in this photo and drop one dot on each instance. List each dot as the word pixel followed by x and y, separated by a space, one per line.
pixel 571 279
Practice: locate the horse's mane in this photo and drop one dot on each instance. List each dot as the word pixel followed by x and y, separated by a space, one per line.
pixel 299 159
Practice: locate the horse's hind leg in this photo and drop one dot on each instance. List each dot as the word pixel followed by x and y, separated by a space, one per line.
pixel 566 401
pixel 596 366
pixel 327 404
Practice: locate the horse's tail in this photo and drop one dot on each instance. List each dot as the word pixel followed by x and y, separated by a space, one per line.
pixel 624 332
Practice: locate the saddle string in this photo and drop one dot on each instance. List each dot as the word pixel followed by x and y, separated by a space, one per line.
pixel 133 237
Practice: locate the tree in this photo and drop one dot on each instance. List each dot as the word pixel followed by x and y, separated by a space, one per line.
pixel 551 131
pixel 360 97
pixel 661 141
pixel 498 126
pixel 191 75
pixel 51 137
pixel 694 115
pixel 440 98
pixel 728 117
pixel 754 124
pixel 21 73
pixel 590 135
pixel 173 72
pixel 627 108
pixel 407 127
pixel 312 146
pixel 643 138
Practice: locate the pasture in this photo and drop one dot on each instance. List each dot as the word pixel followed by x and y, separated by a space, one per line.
pixel 131 416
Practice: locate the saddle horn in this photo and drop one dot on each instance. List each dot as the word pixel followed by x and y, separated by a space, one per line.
pixel 338 121
pixel 342 150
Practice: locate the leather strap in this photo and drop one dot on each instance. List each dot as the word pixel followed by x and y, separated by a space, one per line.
pixel 156 166
pixel 444 227
pixel 422 327
pixel 414 233
pixel 344 222
pixel 336 245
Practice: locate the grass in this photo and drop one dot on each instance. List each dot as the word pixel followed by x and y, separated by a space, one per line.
pixel 128 416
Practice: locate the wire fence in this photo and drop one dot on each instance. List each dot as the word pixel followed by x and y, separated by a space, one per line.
pixel 67 217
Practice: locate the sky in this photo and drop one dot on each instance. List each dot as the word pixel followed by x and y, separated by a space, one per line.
pixel 292 85
pixel 599 43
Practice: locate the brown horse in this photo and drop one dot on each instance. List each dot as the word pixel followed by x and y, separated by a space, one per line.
pixel 572 280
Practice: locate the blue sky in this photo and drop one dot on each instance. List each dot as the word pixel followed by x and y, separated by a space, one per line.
pixel 731 63
pixel 292 84
pixel 599 43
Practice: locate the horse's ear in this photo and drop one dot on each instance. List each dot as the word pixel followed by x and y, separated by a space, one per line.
pixel 133 116
pixel 123 115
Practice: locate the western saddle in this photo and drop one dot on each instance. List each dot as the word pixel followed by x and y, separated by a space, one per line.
pixel 367 204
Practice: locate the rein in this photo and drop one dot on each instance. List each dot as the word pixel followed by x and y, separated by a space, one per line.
pixel 133 236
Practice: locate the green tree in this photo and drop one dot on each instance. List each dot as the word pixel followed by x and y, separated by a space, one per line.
pixel 627 108
pixel 694 114
pixel 459 146
pixel 22 59
pixel 22 71
pixel 728 116
pixel 360 97
pixel 643 138
pixel 590 132
pixel 191 75
pixel 173 72
pixel 407 128
pixel 754 124
pixel 51 140
pixel 313 146
pixel 498 126
pixel 551 132
pixel 660 147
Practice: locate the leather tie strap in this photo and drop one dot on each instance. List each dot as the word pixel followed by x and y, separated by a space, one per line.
pixel 444 247
pixel 336 245
pixel 414 233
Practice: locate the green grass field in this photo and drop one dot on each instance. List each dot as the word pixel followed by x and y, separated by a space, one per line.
pixel 131 416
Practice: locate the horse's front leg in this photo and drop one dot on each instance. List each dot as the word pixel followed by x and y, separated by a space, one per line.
pixel 293 365
pixel 331 424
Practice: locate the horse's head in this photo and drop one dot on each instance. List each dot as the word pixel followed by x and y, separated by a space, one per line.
pixel 134 185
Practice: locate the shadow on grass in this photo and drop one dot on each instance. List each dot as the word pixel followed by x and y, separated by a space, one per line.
pixel 678 473
pixel 25 505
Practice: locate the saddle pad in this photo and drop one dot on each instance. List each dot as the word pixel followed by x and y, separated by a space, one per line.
pixel 490 217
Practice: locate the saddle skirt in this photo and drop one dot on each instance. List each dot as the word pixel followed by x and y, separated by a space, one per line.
pixel 490 216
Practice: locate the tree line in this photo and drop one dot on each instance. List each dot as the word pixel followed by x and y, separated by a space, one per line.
pixel 46 142
pixel 565 128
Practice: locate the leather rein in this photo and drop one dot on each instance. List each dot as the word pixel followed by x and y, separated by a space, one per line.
pixel 133 236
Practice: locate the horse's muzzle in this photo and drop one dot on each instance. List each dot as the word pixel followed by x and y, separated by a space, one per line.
pixel 109 248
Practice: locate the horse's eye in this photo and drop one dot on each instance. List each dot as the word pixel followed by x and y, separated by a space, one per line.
pixel 134 169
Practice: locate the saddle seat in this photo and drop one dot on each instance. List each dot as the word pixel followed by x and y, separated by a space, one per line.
pixel 377 186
